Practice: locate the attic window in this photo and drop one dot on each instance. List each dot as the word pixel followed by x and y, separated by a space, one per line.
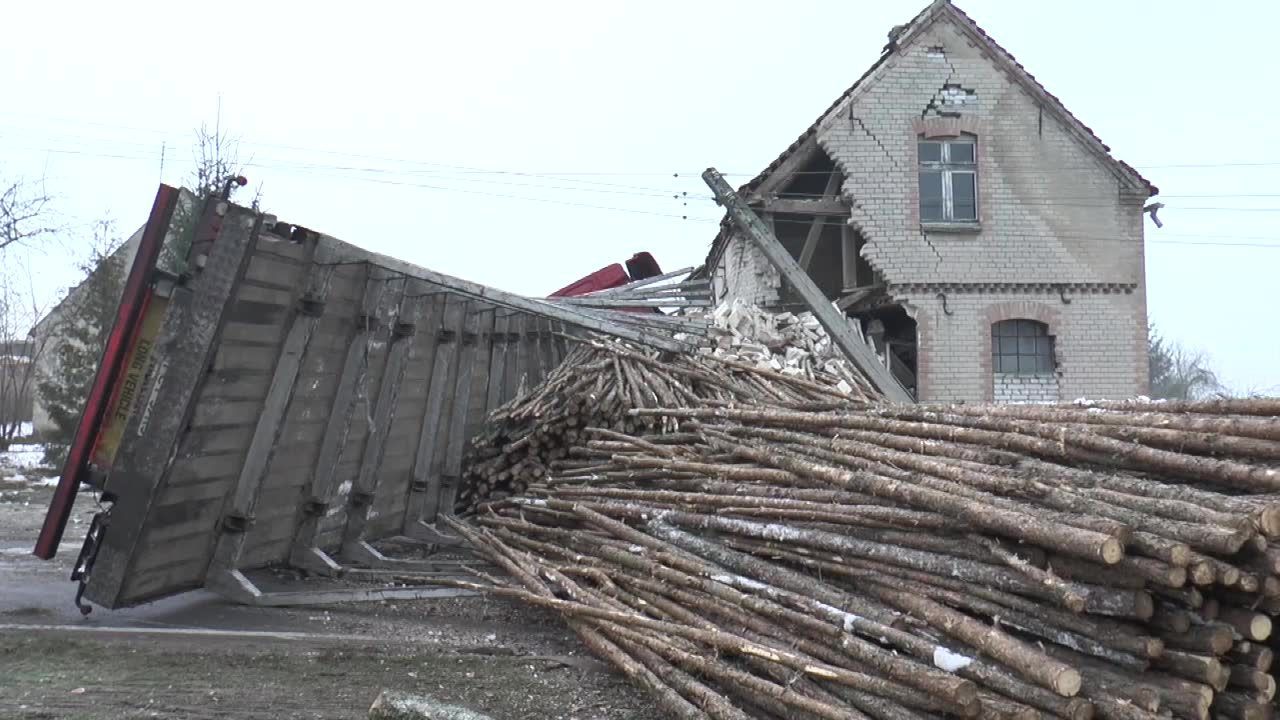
pixel 948 180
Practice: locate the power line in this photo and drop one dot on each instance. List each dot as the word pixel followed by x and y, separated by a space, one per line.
pixel 705 220
pixel 531 199
pixel 566 176
pixel 654 192
pixel 681 216
pixel 569 174
pixel 1060 167
pixel 1207 240
pixel 676 194
pixel 1227 237
pixel 1213 244
pixel 1209 165
pixel 305 168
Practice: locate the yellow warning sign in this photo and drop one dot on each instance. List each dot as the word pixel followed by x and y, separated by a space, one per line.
pixel 125 395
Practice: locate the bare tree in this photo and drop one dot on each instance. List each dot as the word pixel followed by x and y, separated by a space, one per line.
pixel 1178 373
pixel 217 157
pixel 20 351
pixel 24 218
pixel 24 215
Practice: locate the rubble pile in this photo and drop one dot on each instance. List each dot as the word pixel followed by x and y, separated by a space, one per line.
pixel 789 343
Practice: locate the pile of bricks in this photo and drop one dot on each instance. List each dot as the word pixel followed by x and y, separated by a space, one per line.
pixel 789 343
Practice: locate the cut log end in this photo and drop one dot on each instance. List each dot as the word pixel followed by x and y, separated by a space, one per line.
pixel 1220 640
pixel 1180 555
pixel 1201 574
pixel 1269 521
pixel 1112 551
pixel 1067 683
pixel 1154 647
pixel 1078 709
pixel 1231 576
pixel 965 693
pixel 1144 606
pixel 1260 627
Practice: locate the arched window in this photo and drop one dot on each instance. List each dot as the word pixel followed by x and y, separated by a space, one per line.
pixel 1023 347
pixel 948 180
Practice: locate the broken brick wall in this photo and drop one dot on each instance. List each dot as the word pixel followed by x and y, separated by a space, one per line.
pixel 743 272
pixel 1057 226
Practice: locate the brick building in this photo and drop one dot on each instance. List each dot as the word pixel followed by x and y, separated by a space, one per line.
pixel 983 237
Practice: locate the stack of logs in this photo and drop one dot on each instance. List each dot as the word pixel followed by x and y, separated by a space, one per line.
pixel 596 386
pixel 742 554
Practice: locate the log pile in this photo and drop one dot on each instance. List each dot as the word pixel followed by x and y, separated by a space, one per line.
pixel 746 546
pixel 596 386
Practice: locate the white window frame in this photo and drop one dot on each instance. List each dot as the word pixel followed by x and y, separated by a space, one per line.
pixel 948 169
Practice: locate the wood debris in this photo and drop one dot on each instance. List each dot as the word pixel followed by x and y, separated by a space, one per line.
pixel 745 542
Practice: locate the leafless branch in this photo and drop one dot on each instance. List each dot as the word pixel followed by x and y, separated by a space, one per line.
pixel 23 213
pixel 216 158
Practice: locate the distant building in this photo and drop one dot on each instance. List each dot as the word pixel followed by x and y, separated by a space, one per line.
pixel 50 334
pixel 984 238
pixel 15 387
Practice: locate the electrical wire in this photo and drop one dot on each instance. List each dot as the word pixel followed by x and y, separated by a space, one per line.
pixel 655 193
pixel 1208 240
pixel 649 193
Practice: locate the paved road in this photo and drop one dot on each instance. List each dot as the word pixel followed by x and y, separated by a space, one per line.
pixel 198 656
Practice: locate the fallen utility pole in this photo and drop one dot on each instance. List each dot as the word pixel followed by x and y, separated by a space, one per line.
pixel 835 323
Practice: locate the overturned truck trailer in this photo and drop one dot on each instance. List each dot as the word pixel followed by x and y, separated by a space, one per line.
pixel 273 396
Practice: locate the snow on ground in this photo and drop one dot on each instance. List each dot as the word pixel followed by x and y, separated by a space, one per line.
pixel 22 457
pixel 25 461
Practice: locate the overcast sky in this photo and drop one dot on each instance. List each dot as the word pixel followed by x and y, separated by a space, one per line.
pixel 523 145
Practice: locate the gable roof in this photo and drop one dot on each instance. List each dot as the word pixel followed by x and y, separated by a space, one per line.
pixel 902 37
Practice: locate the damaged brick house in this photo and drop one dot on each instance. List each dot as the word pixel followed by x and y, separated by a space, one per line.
pixel 985 240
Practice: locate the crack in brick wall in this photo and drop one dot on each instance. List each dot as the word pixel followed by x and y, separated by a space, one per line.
pixel 1028 236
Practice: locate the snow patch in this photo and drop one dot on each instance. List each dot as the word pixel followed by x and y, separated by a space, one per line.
pixel 740 582
pixel 847 619
pixel 24 462
pixel 22 457
pixel 951 662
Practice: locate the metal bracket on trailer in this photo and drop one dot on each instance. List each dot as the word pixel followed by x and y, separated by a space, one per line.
pixel 88 554
pixel 424 532
pixel 365 556
pixel 235 586
pixel 369 564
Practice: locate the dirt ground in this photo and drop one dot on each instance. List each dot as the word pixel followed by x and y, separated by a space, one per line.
pixel 197 656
